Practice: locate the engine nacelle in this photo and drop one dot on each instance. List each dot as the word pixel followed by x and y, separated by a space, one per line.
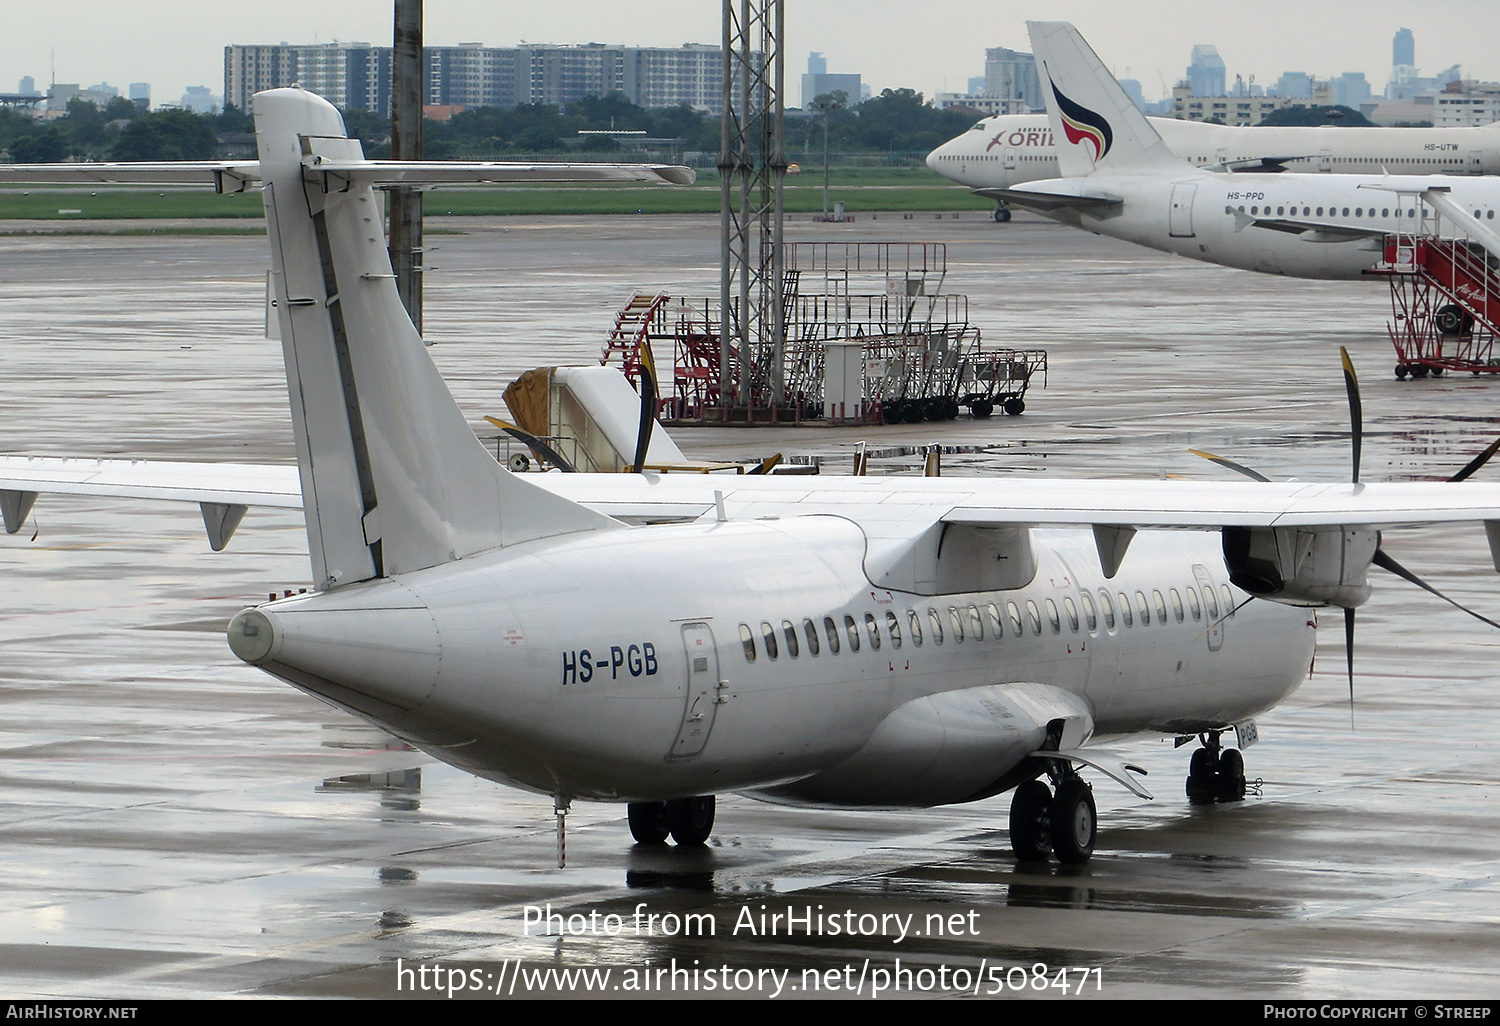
pixel 1301 567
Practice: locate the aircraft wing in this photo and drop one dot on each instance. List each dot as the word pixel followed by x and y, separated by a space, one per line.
pixel 239 175
pixel 224 175
pixel 442 172
pixel 1311 231
pixel 884 507
pixel 245 484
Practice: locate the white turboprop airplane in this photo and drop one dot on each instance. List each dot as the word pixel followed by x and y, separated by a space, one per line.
pixel 1121 180
pixel 660 639
pixel 1008 149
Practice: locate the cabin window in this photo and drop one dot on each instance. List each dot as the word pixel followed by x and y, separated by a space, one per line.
pixel 1033 617
pixel 1346 211
pixel 1210 603
pixel 1385 211
pixel 1320 211
pixel 1280 211
pixel 852 629
pixel 1176 604
pixel 1107 607
pixel 937 625
pixel 1072 610
pixel 747 639
pixel 1161 605
pixel 893 628
pixel 1090 614
pixel 1143 607
pixel 1125 613
pixel 1229 603
pixel 810 630
pixel 914 621
pixel 831 629
pixel 1053 620
pixel 955 618
pixel 1358 211
pixel 1014 613
pixel 1193 606
pixel 976 623
pixel 790 633
pixel 997 628
pixel 768 635
pixel 1489 215
pixel 874 628
pixel 1306 211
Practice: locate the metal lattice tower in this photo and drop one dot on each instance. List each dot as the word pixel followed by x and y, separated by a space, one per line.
pixel 752 168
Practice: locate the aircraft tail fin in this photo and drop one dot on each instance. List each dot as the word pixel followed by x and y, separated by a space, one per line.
pixel 393 477
pixel 1094 123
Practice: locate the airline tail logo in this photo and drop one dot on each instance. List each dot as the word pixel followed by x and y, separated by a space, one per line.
pixel 1083 125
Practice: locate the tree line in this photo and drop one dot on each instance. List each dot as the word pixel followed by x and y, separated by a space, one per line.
pixel 896 120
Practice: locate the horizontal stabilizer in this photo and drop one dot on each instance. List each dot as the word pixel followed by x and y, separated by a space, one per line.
pixel 1049 200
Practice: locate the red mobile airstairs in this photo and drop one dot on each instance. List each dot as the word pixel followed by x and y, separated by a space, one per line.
pixel 1445 291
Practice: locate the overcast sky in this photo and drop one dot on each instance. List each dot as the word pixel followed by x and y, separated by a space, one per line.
pixel 930 47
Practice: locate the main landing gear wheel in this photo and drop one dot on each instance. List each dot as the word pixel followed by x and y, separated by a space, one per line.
pixel 1002 215
pixel 1031 822
pixel 648 822
pixel 1074 821
pixel 690 820
pixel 1216 774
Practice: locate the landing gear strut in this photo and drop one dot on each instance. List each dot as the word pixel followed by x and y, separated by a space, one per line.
pixel 1216 774
pixel 1064 823
pixel 688 821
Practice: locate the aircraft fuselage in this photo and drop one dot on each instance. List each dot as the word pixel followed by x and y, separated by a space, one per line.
pixel 1196 216
pixel 756 656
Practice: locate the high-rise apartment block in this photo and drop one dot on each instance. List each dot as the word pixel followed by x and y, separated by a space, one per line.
pixel 358 75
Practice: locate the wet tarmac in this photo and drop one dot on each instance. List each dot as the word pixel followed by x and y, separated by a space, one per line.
pixel 179 825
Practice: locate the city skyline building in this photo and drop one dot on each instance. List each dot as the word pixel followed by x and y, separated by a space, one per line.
pixel 357 75
pixel 818 82
pixel 1206 71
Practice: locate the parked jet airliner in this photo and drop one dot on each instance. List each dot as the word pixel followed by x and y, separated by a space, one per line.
pixel 660 639
pixel 1006 150
pixel 1121 180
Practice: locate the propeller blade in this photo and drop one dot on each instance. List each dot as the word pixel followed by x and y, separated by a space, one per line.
pixel 1229 464
pixel 1349 655
pixel 1204 633
pixel 544 450
pixel 1477 462
pixel 1383 560
pixel 648 406
pixel 1356 413
pixel 764 466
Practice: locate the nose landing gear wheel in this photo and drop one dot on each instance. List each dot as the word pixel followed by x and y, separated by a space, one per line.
pixel 1074 821
pixel 1031 822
